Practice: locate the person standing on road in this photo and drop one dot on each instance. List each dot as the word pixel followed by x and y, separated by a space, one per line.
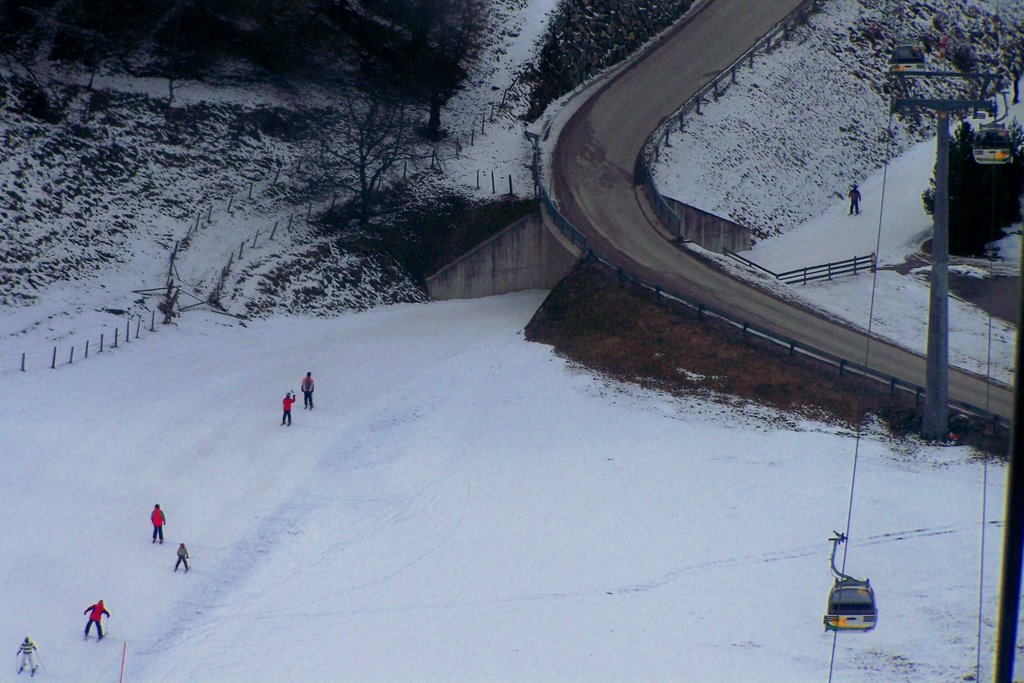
pixel 158 519
pixel 95 613
pixel 287 405
pixel 182 558
pixel 854 195
pixel 307 391
pixel 28 656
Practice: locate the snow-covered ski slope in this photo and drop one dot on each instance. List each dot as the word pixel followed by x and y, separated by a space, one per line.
pixel 461 506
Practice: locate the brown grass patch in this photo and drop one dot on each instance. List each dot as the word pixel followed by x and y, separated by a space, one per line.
pixel 621 329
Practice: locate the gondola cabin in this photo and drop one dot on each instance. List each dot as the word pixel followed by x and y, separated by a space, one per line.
pixel 992 145
pixel 851 606
pixel 907 56
pixel 851 602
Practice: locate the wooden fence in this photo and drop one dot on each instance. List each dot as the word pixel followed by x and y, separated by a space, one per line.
pixel 823 271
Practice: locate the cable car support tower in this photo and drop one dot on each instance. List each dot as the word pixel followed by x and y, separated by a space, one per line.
pixel 935 425
pixel 991 146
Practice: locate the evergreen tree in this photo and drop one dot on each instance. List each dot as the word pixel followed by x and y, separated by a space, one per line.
pixel 982 198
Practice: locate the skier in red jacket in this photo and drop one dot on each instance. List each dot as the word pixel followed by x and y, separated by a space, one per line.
pixel 289 399
pixel 158 520
pixel 97 612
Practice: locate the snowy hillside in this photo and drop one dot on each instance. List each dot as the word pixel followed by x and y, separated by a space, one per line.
pixel 788 139
pixel 96 195
pixel 464 506
pixel 778 151
pixel 93 206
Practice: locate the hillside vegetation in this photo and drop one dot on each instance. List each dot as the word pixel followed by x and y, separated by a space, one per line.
pixel 297 129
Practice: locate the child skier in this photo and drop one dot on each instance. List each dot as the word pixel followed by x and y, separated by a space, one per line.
pixel 96 613
pixel 289 399
pixel 158 520
pixel 27 652
pixel 182 558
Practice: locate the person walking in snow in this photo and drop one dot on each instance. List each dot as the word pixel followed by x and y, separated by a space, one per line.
pixel 307 391
pixel 27 651
pixel 287 402
pixel 158 520
pixel 95 613
pixel 182 558
pixel 854 195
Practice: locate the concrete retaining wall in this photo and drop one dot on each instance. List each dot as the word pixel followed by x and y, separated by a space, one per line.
pixel 525 255
pixel 712 232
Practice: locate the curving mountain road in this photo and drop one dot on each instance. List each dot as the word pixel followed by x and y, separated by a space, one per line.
pixel 592 176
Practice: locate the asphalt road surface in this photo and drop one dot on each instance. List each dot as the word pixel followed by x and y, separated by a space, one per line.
pixel 592 168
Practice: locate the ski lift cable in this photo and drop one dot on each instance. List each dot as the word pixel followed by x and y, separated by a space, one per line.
pixel 981 560
pixel 988 383
pixel 867 354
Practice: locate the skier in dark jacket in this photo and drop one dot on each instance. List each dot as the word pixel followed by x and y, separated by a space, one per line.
pixel 307 391
pixel 95 613
pixel 158 519
pixel 854 195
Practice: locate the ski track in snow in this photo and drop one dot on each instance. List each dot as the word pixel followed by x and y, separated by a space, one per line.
pixel 457 496
pixel 208 606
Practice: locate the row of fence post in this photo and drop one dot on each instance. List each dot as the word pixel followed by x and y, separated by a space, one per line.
pixel 193 228
pixel 484 119
pixel 23 367
pixel 435 162
pixel 494 187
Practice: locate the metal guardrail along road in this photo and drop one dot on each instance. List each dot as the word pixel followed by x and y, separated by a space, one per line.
pixel 595 199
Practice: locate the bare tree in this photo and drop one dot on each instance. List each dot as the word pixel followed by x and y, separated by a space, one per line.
pixel 374 137
pixel 427 45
